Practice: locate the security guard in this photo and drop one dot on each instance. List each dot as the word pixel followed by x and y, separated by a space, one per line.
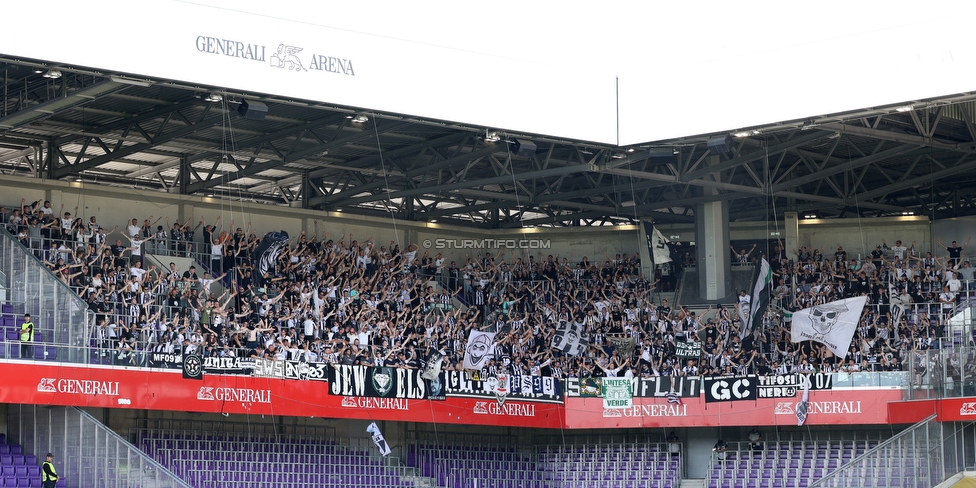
pixel 49 476
pixel 27 338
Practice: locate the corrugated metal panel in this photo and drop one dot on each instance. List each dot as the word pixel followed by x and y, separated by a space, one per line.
pixel 959 111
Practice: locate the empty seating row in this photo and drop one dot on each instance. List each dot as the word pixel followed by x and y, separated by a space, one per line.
pixel 285 462
pixel 20 471
pixel 18 460
pixel 617 484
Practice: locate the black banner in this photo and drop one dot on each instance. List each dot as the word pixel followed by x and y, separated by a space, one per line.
pixel 653 386
pixel 266 255
pixel 291 370
pixel 382 382
pixel 502 387
pixel 731 389
pixel 211 365
pixel 227 365
pixel 192 367
pixel 788 385
pixel 165 360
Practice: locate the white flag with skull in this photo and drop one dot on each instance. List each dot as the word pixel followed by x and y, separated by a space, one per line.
pixel 832 324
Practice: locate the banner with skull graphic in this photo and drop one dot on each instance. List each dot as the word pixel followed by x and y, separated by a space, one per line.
pixel 480 349
pixel 832 324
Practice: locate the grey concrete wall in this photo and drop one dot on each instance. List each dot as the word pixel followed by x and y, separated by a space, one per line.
pixel 116 206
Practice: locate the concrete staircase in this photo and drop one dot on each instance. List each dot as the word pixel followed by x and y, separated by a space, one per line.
pixel 693 483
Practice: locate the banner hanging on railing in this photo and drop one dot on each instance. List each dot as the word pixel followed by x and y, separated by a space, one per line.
pixel 381 382
pixel 291 370
pixel 653 386
pixel 211 365
pixel 139 388
pixel 520 387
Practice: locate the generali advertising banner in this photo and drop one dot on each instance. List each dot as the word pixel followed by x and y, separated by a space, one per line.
pixel 235 394
pixel 111 387
pixel 826 407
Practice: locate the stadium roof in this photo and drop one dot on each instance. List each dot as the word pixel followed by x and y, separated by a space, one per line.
pixel 79 123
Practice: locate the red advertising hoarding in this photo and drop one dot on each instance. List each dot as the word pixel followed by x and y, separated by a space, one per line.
pixel 237 394
pixel 117 387
pixel 826 407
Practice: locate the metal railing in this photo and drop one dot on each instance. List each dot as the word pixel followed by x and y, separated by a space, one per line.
pixel 87 454
pixel 60 316
pixel 912 458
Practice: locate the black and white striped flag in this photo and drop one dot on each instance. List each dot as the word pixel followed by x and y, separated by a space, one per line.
pixel 378 439
pixel 801 409
pixel 674 398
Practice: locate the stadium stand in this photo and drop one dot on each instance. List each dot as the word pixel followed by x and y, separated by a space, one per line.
pixel 324 287
pixel 432 304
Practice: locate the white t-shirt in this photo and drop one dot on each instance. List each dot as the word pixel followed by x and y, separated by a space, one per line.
pixel 137 246
pixel 899 251
pixel 954 285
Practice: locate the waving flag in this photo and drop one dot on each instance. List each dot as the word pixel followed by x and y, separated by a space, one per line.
pixel 267 254
pixel 801 409
pixel 750 316
pixel 378 439
pixel 832 324
pixel 480 349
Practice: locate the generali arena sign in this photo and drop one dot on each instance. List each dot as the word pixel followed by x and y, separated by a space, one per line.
pixel 113 387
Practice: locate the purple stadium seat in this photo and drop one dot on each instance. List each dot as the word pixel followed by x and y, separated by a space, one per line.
pixel 6 460
pixel 20 471
pixel 11 335
pixel 7 309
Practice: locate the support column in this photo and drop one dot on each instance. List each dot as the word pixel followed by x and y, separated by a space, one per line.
pixel 54 196
pixel 712 249
pixel 791 228
pixel 47 169
pixel 308 190
pixel 186 214
pixel 184 174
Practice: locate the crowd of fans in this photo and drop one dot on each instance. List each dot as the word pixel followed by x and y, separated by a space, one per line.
pixel 349 300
